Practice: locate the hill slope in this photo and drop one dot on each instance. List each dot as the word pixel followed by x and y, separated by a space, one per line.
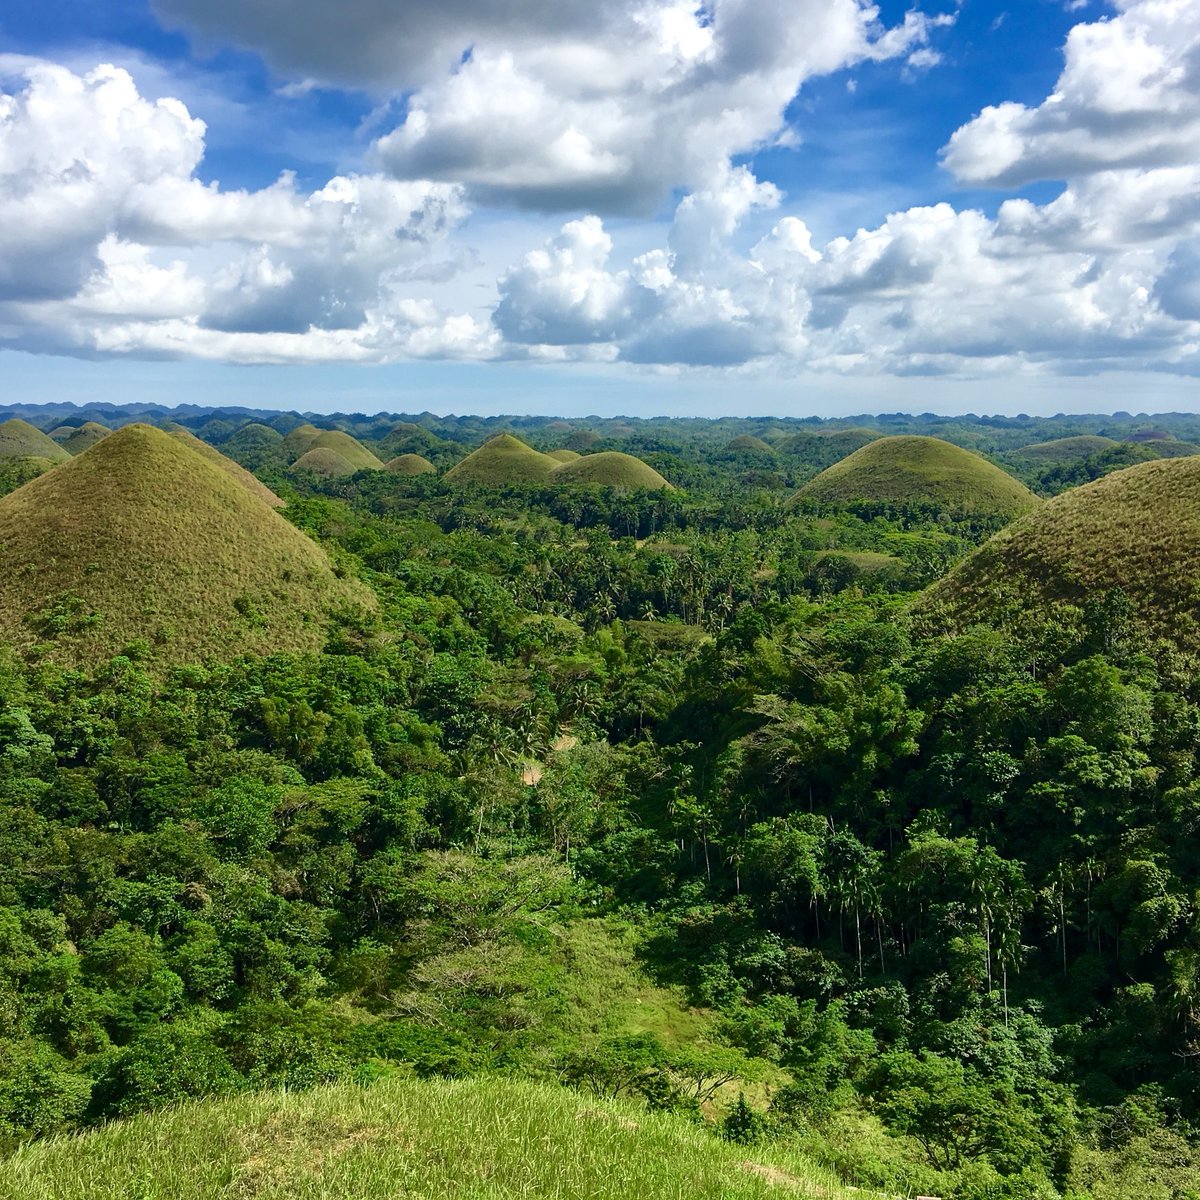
pixel 141 537
pixel 610 468
pixel 1137 529
pixel 19 439
pixel 469 1139
pixel 500 461
pixel 351 449
pixel 234 470
pixel 920 471
pixel 1082 446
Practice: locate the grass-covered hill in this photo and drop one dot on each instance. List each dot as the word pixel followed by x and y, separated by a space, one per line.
pixel 1083 446
pixel 564 455
pixel 234 470
pixel 75 440
pixel 609 468
pixel 298 440
pixel 478 1139
pixel 320 460
pixel 351 449
pixel 142 538
pixel 1136 529
pixel 920 471
pixel 500 461
pixel 19 439
pixel 410 464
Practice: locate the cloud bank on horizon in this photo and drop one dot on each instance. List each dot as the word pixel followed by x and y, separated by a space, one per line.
pixel 585 117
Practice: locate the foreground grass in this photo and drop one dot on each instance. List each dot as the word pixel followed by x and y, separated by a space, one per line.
pixel 466 1139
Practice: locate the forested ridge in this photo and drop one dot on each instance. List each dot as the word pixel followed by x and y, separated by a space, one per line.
pixel 669 796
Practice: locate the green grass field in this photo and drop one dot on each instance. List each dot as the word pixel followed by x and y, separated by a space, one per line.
pixel 484 1139
pixel 920 471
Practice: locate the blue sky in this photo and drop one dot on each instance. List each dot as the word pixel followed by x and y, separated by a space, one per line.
pixel 784 206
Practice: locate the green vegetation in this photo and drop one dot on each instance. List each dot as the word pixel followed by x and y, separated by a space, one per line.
pixel 437 1140
pixel 1136 530
pixel 19 439
pixel 501 461
pixel 662 803
pixel 609 468
pixel 748 442
pixel 141 540
pixel 410 464
pixel 563 456
pixel 920 471
pixel 234 470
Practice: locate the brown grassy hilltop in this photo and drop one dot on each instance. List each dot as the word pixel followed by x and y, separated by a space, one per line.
pixel 143 538
pixel 1136 529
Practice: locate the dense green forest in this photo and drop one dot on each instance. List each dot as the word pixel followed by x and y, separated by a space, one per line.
pixel 669 795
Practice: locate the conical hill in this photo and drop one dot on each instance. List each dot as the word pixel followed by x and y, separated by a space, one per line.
pixel 410 464
pixel 85 437
pixel 500 461
pixel 1081 446
pixel 299 440
pixel 19 439
pixel 142 538
pixel 564 455
pixel 320 460
pixel 350 448
pixel 920 471
pixel 1136 529
pixel 610 468
pixel 235 470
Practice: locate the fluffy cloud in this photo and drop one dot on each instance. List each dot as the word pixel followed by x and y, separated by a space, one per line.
pixel 561 106
pixel 110 243
pixel 1128 97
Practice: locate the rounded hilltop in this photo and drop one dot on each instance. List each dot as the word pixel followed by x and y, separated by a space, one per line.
pixel 1137 530
pixel 19 439
pixel 610 468
pixel 410 464
pixel 143 538
pixel 500 461
pixel 350 449
pixel 1066 448
pixel 920 471
pixel 77 439
pixel 320 460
